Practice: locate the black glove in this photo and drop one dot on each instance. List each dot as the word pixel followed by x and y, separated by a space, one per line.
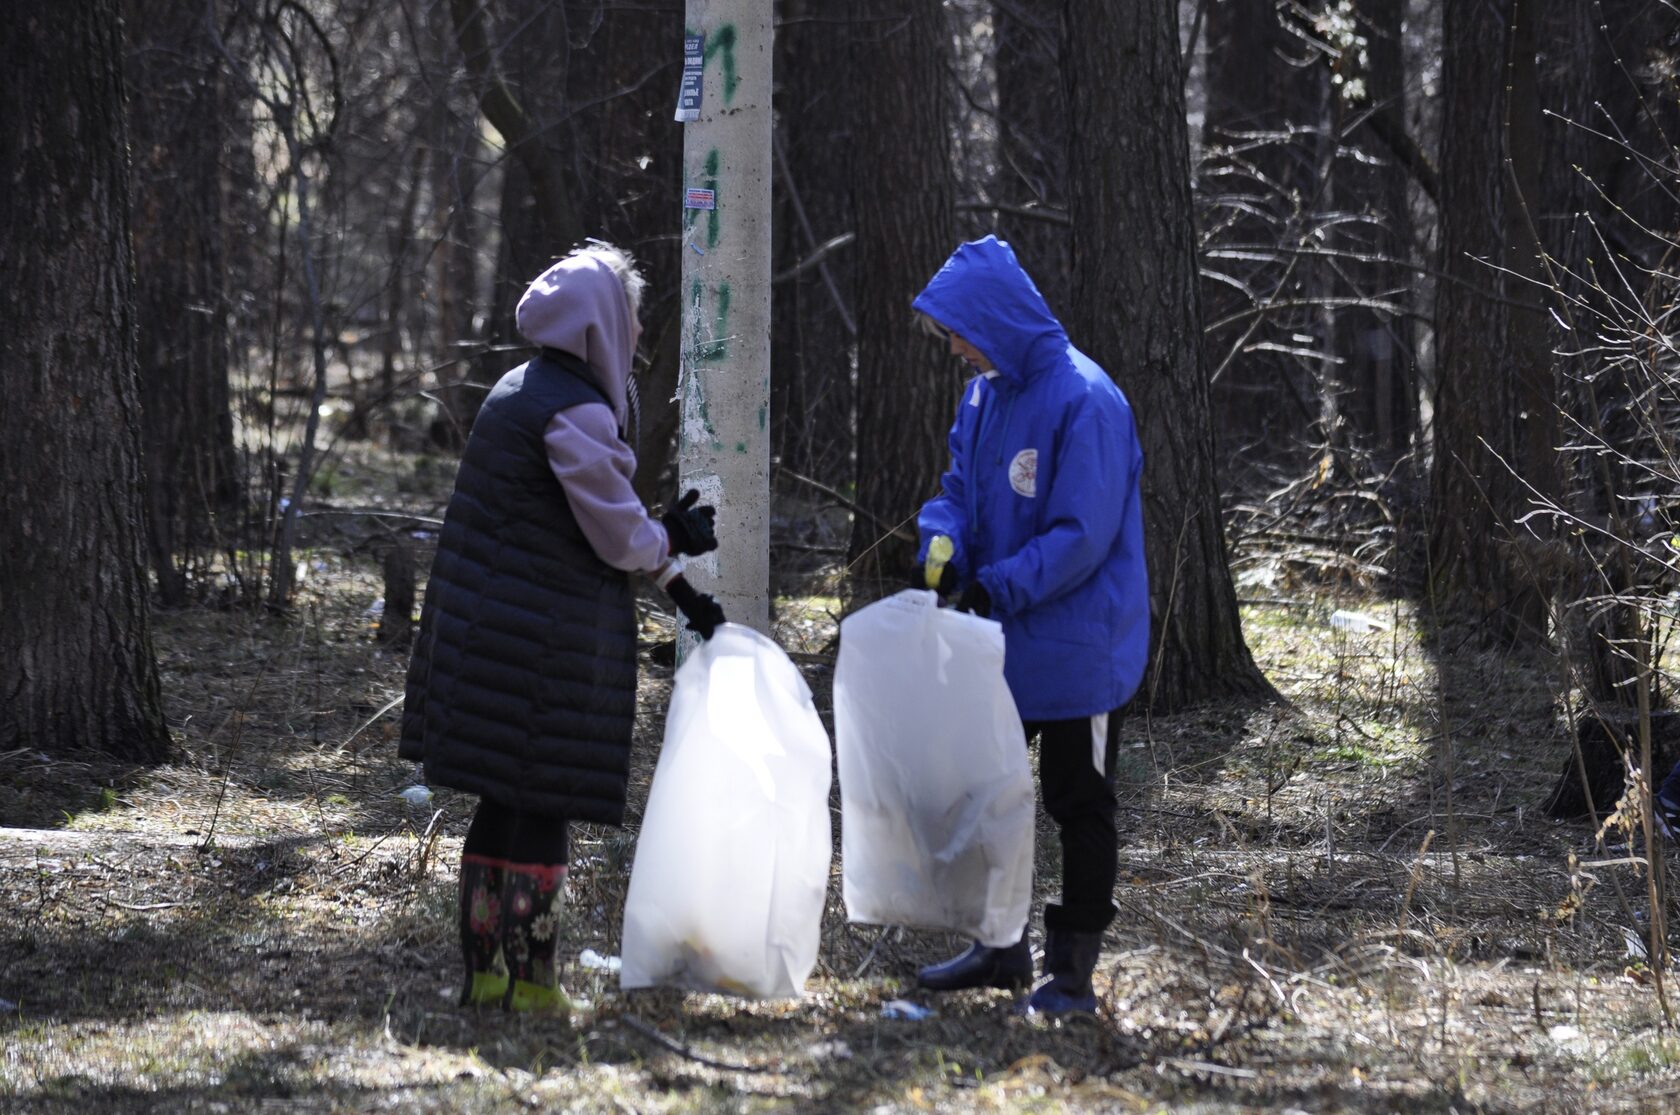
pixel 704 614
pixel 975 599
pixel 689 527
pixel 947 579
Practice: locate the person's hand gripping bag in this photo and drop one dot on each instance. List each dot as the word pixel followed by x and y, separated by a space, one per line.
pixel 732 863
pixel 936 797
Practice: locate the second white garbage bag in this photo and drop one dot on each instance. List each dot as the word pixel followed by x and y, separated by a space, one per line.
pixel 726 893
pixel 936 797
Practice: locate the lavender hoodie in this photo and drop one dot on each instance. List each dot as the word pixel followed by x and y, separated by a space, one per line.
pixel 579 306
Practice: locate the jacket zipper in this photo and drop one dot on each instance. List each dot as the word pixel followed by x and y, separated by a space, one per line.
pixel 975 523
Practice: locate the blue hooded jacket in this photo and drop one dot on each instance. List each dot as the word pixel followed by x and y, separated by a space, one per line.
pixel 1042 500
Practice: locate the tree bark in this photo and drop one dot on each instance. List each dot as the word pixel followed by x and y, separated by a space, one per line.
pixel 525 110
pixel 901 187
pixel 1032 140
pixel 1137 311
pixel 811 328
pixel 1495 401
pixel 76 664
pixel 453 272
pixel 177 129
pixel 396 621
pixel 1375 386
pixel 397 291
pixel 519 65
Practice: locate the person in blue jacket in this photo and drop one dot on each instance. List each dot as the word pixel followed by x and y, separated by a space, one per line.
pixel 1042 505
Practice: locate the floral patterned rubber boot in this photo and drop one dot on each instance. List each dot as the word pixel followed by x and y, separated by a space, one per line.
pixel 482 881
pixel 532 898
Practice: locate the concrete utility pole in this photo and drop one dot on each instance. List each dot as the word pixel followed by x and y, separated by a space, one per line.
pixel 724 385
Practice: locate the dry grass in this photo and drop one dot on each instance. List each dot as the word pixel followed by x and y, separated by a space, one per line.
pixel 1346 903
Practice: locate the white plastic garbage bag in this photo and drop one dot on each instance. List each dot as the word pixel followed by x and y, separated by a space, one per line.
pixel 936 797
pixel 732 863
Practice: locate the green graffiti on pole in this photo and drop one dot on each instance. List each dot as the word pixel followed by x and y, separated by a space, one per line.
pixel 720 324
pixel 712 159
pixel 701 347
pixel 722 41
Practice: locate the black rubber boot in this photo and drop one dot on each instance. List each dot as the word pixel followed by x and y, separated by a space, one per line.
pixel 481 931
pixel 1069 959
pixel 981 966
pixel 532 900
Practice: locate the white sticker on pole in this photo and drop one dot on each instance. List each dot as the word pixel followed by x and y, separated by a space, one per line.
pixel 694 63
pixel 695 198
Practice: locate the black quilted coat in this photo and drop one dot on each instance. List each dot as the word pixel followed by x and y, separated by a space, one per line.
pixel 522 688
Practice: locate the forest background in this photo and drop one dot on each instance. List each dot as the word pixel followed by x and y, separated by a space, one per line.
pixel 1389 283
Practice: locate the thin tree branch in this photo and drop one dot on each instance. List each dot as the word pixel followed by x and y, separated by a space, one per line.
pixel 850 504
pixel 817 259
pixel 1043 213
pixel 821 251
pixel 504 112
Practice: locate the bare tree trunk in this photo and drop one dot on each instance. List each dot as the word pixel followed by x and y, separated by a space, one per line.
pixel 445 320
pixel 1376 384
pixel 249 270
pixel 660 413
pixel 453 277
pixel 1032 140
pixel 519 64
pixel 902 199
pixel 524 103
pixel 396 621
pixel 812 340
pixel 1495 393
pixel 76 663
pixel 178 112
pixel 397 287
pixel 1137 311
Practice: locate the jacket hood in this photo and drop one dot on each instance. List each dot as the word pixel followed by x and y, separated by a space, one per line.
pixel 984 296
pixel 579 306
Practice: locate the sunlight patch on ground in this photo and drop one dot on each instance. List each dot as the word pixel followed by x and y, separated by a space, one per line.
pixel 1345 899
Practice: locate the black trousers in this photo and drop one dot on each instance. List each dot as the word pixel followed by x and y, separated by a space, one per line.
pixel 1081 802
pixel 500 833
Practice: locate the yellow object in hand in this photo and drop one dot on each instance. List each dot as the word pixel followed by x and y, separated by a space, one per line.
pixel 939 552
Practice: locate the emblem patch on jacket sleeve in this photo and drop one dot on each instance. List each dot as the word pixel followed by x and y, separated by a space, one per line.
pixel 1023 473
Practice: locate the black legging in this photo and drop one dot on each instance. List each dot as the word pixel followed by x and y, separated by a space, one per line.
pixel 500 833
pixel 1081 802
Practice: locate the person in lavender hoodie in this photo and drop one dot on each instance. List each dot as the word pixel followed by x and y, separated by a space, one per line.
pixel 522 687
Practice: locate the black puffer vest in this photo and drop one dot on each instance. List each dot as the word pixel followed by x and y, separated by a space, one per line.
pixel 522 688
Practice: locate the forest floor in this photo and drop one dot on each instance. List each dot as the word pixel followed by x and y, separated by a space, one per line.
pixel 1345 902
